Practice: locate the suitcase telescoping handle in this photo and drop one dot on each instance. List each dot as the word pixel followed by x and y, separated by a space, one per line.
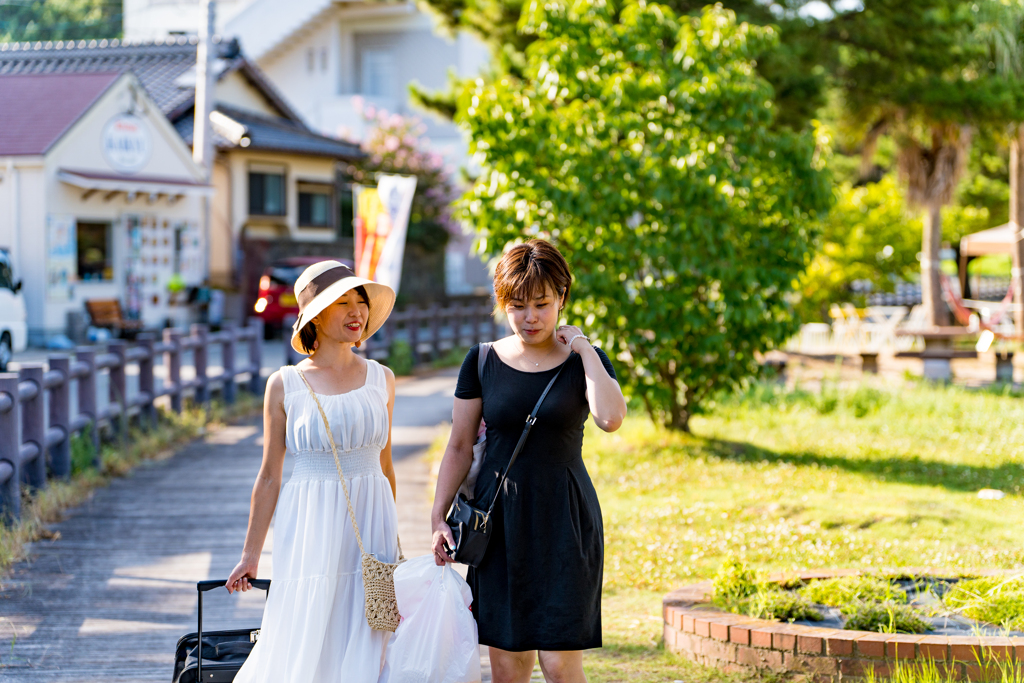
pixel 202 587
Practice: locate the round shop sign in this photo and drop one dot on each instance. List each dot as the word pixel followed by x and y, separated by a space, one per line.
pixel 126 143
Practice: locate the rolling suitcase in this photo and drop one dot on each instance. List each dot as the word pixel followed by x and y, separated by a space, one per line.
pixel 222 652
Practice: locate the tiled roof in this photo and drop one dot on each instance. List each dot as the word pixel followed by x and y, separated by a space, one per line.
pixel 274 135
pixel 36 109
pixel 166 71
pixel 157 65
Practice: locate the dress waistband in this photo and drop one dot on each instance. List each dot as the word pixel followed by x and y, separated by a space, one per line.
pixel 319 465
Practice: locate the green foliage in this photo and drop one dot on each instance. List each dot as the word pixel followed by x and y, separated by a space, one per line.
pixel 886 617
pixel 400 358
pixel 395 144
pixel 775 603
pixel 43 20
pixel 868 236
pixel 644 149
pixel 733 582
pixel 83 452
pixel 452 358
pixel 844 591
pixel 997 600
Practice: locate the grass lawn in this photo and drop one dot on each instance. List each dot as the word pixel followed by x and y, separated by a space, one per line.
pixel 789 480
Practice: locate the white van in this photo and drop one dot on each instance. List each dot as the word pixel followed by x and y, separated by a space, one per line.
pixel 13 329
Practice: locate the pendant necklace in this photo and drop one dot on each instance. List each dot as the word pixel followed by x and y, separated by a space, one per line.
pixel 537 364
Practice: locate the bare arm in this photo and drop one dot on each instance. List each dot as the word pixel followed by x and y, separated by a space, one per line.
pixel 267 487
pixel 386 465
pixel 458 457
pixel 604 395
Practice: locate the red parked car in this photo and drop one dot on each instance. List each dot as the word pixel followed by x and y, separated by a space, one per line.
pixel 276 302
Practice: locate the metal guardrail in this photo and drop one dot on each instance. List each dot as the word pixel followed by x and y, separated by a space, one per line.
pixel 36 424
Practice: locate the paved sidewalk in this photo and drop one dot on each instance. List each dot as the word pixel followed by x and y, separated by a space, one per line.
pixel 108 599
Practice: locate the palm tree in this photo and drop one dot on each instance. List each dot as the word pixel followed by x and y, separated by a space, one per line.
pixel 931 172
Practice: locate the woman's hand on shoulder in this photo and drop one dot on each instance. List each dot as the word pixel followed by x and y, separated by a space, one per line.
pixel 570 334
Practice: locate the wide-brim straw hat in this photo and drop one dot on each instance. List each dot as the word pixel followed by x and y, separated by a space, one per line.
pixel 323 283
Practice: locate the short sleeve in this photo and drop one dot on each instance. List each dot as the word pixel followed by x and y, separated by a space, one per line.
pixel 606 362
pixel 468 385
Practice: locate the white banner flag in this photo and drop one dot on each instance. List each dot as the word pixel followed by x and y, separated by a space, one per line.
pixel 396 193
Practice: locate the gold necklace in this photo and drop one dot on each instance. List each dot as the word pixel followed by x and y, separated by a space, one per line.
pixel 537 364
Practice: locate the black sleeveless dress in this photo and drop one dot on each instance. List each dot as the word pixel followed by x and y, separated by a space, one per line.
pixel 539 585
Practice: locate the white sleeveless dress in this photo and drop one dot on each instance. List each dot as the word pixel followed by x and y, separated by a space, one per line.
pixel 314 629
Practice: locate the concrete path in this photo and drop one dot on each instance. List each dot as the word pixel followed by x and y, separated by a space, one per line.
pixel 108 599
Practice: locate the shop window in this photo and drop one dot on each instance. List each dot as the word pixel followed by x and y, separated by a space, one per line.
pixel 266 192
pixel 315 207
pixel 95 253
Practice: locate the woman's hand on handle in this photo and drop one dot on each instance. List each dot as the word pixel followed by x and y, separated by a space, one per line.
pixel 442 537
pixel 240 576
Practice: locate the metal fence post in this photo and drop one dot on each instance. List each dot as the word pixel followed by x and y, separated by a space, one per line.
pixel 413 326
pixel 60 417
pixel 172 359
pixel 228 355
pixel 435 330
pixel 199 358
pixel 33 426
pixel 147 382
pixel 118 384
pixel 10 449
pixel 87 398
pixel 256 355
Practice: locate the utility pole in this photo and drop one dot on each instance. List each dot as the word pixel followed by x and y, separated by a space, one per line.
pixel 202 138
pixel 1017 225
pixel 202 135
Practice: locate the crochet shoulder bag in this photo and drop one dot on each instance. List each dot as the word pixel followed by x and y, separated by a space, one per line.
pixel 378 577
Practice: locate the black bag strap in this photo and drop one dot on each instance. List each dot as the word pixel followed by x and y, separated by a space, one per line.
pixel 531 419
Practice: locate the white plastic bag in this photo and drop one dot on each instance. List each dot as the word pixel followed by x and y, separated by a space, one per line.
pixel 437 641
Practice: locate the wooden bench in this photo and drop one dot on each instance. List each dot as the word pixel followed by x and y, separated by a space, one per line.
pixel 107 313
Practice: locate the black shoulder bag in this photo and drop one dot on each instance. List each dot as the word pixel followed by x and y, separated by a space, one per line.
pixel 470 525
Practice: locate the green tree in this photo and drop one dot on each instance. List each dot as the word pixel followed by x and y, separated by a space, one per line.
pixel 868 236
pixel 794 67
pixel 42 20
pixel 642 145
pixel 913 67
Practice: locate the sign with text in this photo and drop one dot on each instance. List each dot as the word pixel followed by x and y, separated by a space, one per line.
pixel 126 143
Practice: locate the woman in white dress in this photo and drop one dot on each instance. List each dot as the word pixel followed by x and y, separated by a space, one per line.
pixel 314 629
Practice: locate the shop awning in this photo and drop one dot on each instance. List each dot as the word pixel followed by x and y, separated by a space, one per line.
pixel 133 186
pixel 998 240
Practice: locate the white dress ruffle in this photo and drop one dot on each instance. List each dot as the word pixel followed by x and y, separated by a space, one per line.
pixel 314 629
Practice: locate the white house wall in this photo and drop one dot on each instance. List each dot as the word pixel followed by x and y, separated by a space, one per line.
pixel 43 194
pixel 235 90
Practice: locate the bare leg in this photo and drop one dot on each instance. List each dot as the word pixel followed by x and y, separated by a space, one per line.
pixel 563 667
pixel 511 667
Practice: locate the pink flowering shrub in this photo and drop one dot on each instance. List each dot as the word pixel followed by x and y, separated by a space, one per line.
pixel 396 144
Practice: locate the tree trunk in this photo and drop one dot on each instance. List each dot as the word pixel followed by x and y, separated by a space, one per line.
pixel 931 288
pixel 1017 221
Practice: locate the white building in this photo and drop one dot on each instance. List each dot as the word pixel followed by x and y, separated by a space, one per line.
pixel 329 57
pixel 99 197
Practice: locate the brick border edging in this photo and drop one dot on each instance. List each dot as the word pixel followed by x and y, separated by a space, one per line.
pixel 704 634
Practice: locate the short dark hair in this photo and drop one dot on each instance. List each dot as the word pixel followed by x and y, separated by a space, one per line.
pixel 307 335
pixel 526 269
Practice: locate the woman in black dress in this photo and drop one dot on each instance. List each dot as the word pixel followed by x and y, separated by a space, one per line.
pixel 538 587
